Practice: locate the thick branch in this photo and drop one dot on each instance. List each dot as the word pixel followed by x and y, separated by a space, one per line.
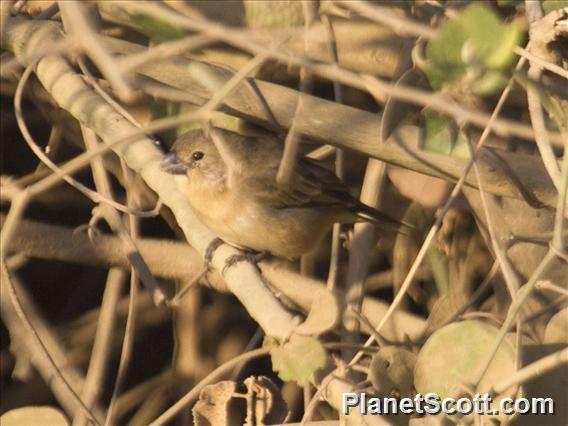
pixel 176 260
pixel 165 258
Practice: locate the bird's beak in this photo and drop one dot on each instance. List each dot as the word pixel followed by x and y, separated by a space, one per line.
pixel 172 164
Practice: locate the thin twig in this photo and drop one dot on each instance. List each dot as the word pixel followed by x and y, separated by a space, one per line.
pixel 476 296
pixel 531 371
pixel 129 331
pixel 540 132
pixel 231 84
pixel 104 334
pixel 126 352
pixel 253 342
pixel 516 306
pixel 293 138
pixel 309 411
pixel 322 152
pixel 511 278
pixel 528 288
pixel 534 12
pixel 97 87
pixel 401 25
pixel 384 279
pixel 336 247
pixel 212 377
pixel 547 285
pixel 174 301
pixel 135 396
pixel 543 63
pixel 114 220
pixel 162 51
pixel 362 242
pixel 81 31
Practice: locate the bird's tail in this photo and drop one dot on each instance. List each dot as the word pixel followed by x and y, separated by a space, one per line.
pixel 367 213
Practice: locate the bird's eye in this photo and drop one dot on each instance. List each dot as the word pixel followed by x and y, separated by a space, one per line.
pixel 197 155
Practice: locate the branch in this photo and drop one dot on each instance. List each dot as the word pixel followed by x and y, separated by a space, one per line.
pixel 165 258
pixel 176 260
pixel 532 371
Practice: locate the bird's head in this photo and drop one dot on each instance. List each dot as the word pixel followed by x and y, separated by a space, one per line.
pixel 194 155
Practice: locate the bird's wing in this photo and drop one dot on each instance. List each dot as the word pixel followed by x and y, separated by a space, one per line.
pixel 311 186
pixel 314 186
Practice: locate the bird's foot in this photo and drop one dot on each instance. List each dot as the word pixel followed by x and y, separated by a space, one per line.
pixel 210 251
pixel 251 256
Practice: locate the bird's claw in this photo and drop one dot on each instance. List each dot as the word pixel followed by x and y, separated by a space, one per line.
pixel 251 257
pixel 210 251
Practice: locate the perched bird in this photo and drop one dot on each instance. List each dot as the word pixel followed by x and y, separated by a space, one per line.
pixel 230 182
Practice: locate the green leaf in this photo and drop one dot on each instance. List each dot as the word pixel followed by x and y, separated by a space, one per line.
pixel 298 359
pixel 490 38
pixel 488 83
pixel 456 353
pixel 444 54
pixel 500 56
pixel 461 148
pixel 440 133
pixel 475 49
pixel 155 29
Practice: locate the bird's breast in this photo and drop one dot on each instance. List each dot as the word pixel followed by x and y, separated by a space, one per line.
pixel 240 219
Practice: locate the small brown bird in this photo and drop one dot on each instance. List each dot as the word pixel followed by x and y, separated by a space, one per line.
pixel 234 192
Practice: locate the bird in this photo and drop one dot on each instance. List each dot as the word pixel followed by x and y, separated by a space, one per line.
pixel 230 182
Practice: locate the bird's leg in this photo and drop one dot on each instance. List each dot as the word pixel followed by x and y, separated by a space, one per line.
pixel 248 256
pixel 210 251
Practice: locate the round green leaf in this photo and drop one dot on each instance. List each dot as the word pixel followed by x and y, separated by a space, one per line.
pixel 298 359
pixel 474 43
pixel 456 353
pixel 440 133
